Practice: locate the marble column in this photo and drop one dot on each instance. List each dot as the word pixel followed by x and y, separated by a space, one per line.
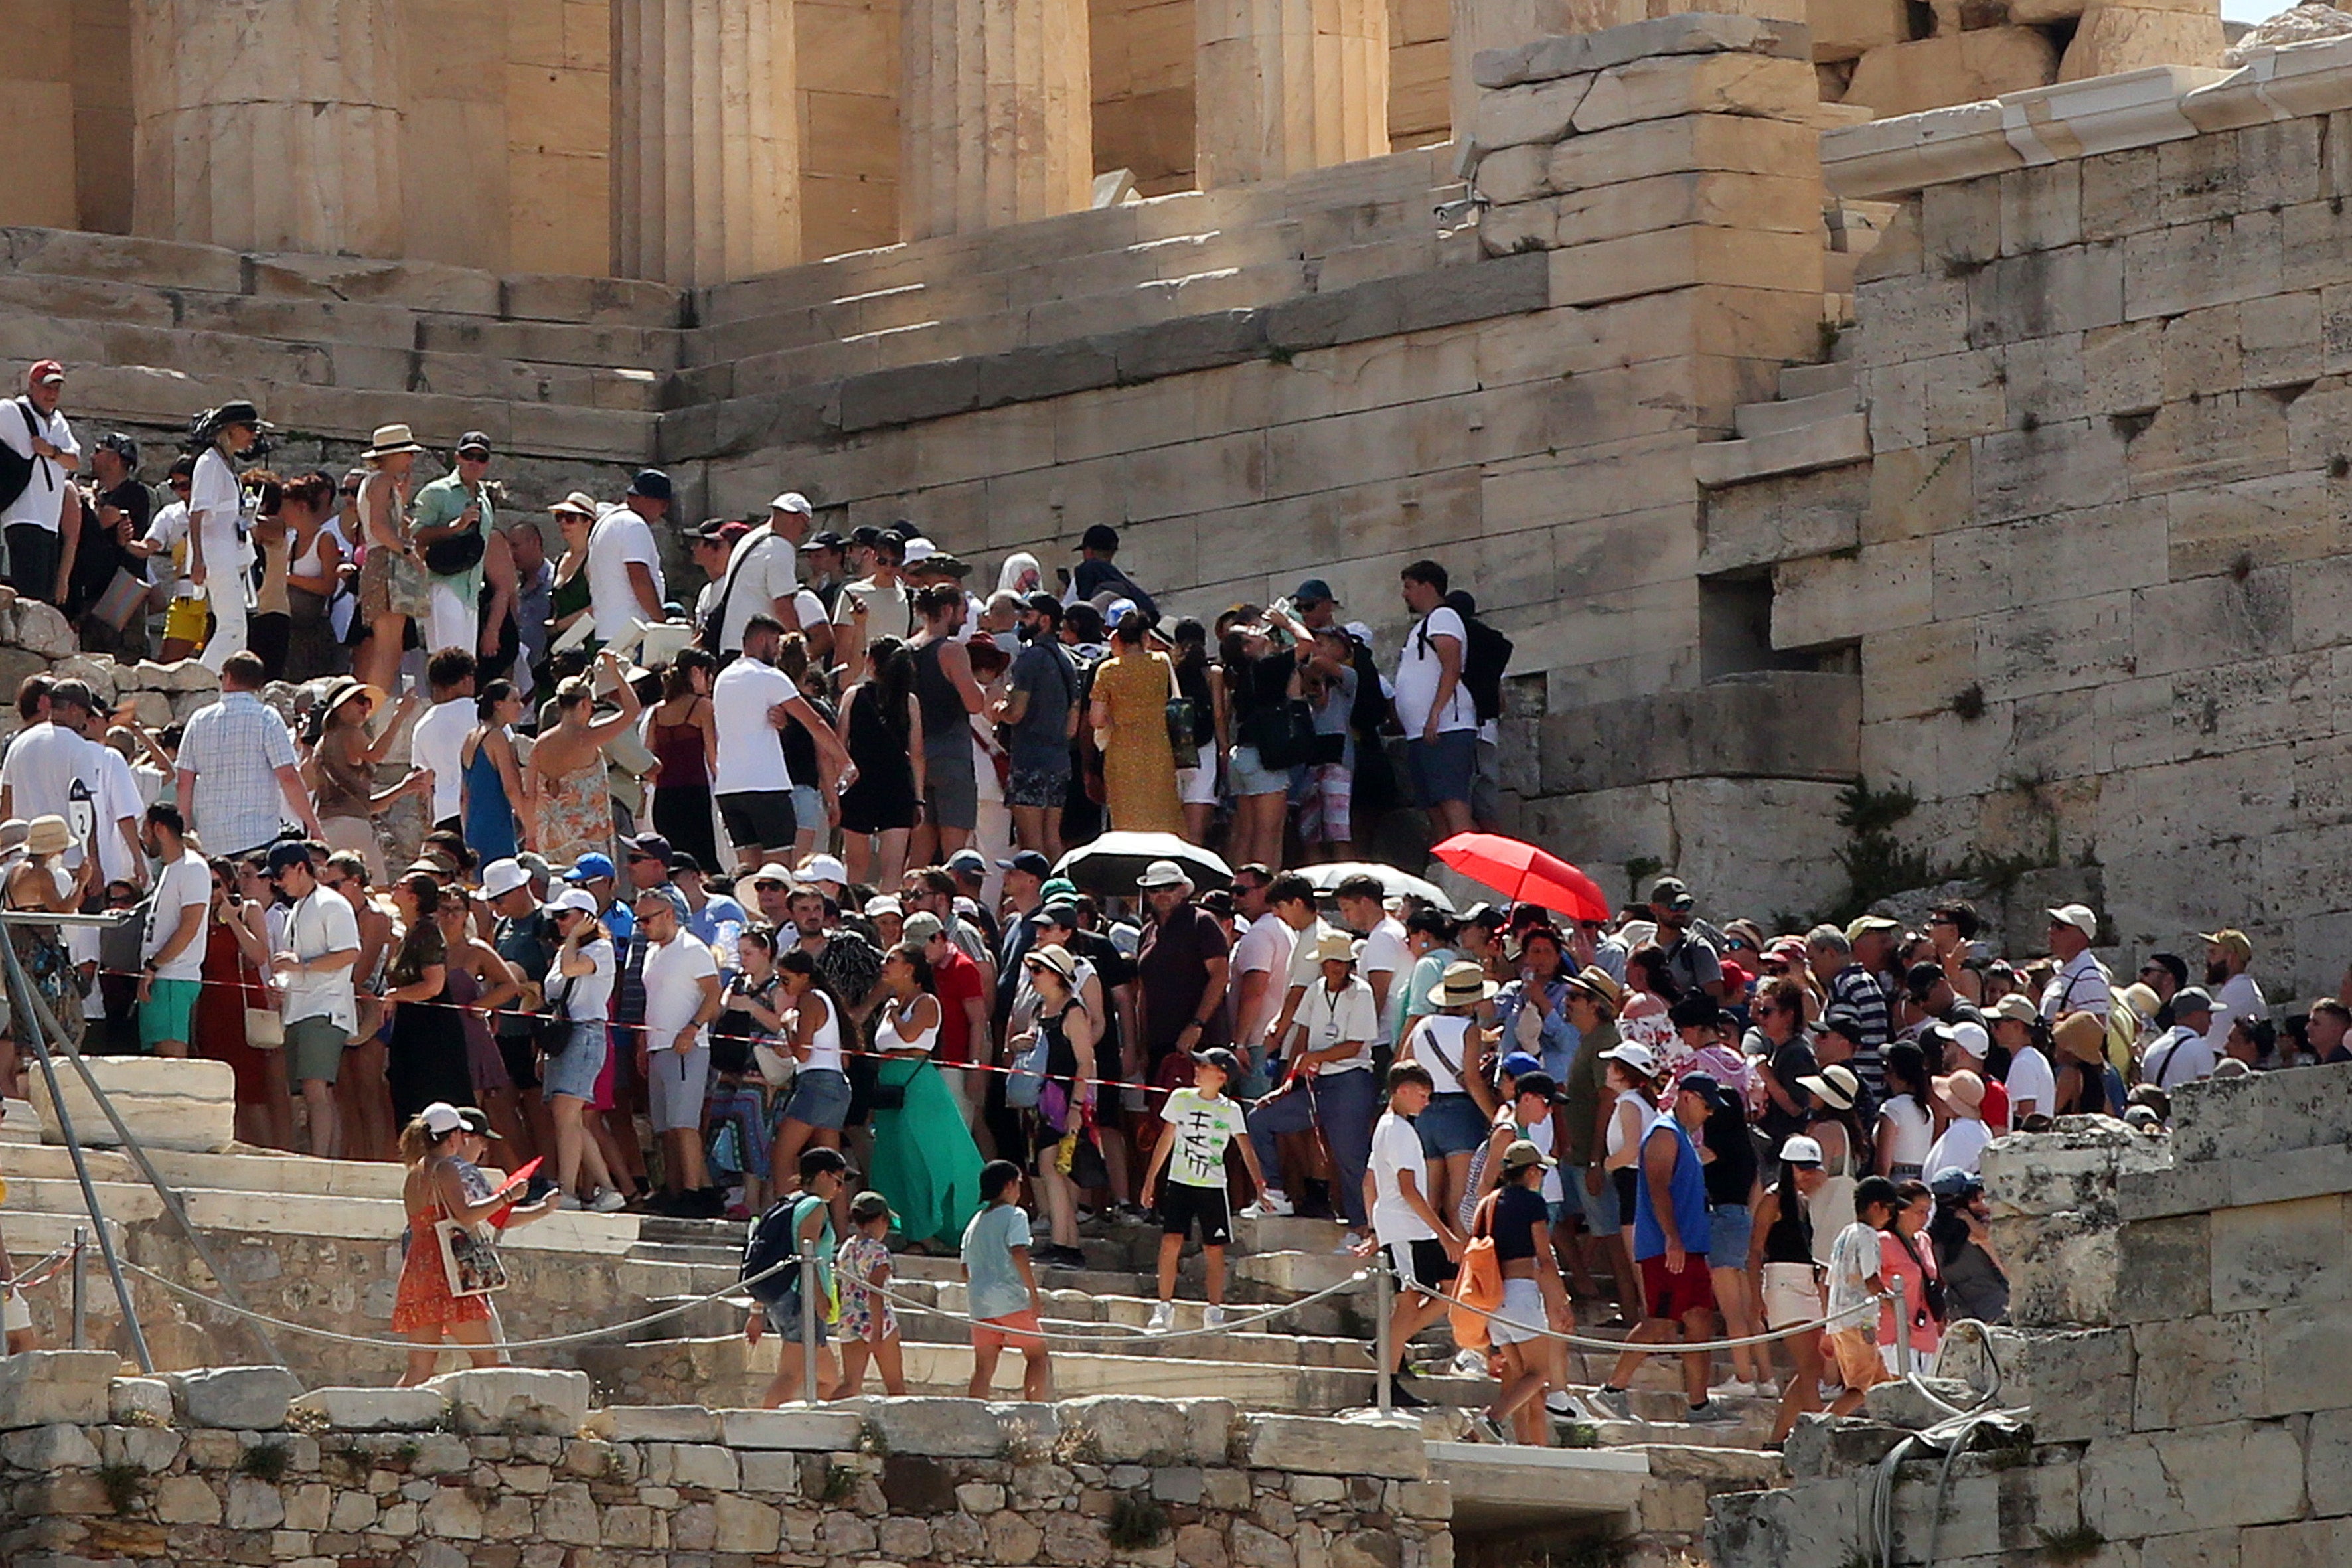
pixel 269 124
pixel 995 113
pixel 706 139
pixel 1283 86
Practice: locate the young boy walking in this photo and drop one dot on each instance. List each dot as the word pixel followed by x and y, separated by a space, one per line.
pixel 796 1226
pixel 1202 1122
pixel 1421 1245
pixel 1857 1284
pixel 1000 1289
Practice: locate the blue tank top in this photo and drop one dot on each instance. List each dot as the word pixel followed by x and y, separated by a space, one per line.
pixel 1689 1190
pixel 489 815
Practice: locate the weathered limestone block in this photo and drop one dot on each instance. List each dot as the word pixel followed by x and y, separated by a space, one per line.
pixel 2201 1478
pixel 2079 1383
pixel 807 1431
pixel 2232 1119
pixel 271 124
pixel 187 1104
pixel 995 118
pixel 239 1398
pixel 1281 87
pixel 2114 38
pixel 39 1388
pixel 1830 598
pixel 1961 67
pixel 1848 29
pixel 2073 1167
pixel 515 1399
pixel 376 1409
pixel 706 177
pixel 954 1428
pixel 657 1424
pixel 1124 1430
pixel 1592 45
pixel 1347 1446
pixel 141 1400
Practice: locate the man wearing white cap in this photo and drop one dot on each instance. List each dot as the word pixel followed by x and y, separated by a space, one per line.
pixel 762 577
pixel 32 429
pixel 1331 1087
pixel 2081 984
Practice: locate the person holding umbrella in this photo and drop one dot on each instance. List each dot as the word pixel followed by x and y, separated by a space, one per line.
pixel 1331 1087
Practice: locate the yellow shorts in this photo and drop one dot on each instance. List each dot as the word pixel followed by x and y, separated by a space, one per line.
pixel 188 620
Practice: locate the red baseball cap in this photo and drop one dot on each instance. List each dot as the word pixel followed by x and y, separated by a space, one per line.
pixel 47 373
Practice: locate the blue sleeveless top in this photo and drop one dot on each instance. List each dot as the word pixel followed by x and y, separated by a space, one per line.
pixel 489 823
pixel 1687 1190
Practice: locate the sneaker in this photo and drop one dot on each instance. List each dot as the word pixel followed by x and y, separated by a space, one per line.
pixel 1163 1318
pixel 1738 1388
pixel 1562 1404
pixel 1270 1204
pixel 1483 1429
pixel 1467 1364
pixel 1714 1413
pixel 1404 1398
pixel 1615 1400
pixel 607 1201
pixel 1348 1245
pixel 1062 1257
pixel 1213 1318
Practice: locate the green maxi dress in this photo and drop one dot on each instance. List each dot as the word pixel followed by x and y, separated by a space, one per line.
pixel 924 1161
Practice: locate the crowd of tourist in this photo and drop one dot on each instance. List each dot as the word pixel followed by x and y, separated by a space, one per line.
pixel 757 908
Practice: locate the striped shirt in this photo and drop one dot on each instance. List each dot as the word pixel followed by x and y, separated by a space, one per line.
pixel 1855 986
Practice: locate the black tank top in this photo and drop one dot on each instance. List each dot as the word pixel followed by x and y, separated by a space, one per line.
pixel 936 694
pixel 1790 1237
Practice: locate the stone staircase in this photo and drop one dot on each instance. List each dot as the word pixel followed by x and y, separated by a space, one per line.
pixel 1817 422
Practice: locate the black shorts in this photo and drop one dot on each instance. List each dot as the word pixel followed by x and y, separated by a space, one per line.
pixel 521 1053
pixel 1181 1206
pixel 759 818
pixel 1423 1263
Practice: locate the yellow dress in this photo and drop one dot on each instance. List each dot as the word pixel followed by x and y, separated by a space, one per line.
pixel 1138 768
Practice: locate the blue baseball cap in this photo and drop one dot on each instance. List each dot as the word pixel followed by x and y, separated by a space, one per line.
pixel 1518 1064
pixel 588 867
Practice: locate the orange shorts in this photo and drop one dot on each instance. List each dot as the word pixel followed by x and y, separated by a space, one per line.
pixel 1020 1330
pixel 1856 1358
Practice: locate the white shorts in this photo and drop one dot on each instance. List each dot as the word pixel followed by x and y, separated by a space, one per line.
pixel 1521 1316
pixel 1197 786
pixel 1791 1297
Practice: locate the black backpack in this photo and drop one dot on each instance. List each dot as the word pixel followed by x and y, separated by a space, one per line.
pixel 17 468
pixel 773 1241
pixel 1486 654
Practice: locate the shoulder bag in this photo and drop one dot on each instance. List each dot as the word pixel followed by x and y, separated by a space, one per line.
pixel 1478 1287
pixel 555 1027
pixel 469 1256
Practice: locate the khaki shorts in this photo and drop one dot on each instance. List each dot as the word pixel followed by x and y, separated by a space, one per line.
pixel 1856 1358
pixel 314 1048
pixel 1791 1297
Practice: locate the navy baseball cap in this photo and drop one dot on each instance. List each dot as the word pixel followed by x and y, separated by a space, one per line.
pixel 652 484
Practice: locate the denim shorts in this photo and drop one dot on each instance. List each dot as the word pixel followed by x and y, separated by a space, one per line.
pixel 576 1069
pixel 820 1099
pixel 1452 1125
pixel 1443 768
pixel 1729 1228
pixel 1599 1212
pixel 1245 776
pixel 808 808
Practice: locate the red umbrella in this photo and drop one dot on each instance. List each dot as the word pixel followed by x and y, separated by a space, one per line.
pixel 1525 874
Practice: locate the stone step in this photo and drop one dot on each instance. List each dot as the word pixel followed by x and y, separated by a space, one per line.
pixel 1809 380
pixel 1841 438
pixel 1755 420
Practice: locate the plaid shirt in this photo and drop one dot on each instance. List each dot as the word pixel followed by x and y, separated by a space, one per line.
pixel 235 749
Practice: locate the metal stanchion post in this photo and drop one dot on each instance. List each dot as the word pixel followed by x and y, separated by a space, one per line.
pixel 808 1323
pixel 1902 1331
pixel 1386 1373
pixel 81 1321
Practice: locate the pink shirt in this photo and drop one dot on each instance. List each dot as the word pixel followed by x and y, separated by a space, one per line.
pixel 1895 1263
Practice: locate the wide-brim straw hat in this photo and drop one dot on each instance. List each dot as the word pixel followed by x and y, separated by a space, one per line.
pixel 389 439
pixel 47 836
pixel 344 690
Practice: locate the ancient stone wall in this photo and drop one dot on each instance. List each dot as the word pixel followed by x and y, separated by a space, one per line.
pixel 2095 569
pixel 2179 1307
pixel 505 1470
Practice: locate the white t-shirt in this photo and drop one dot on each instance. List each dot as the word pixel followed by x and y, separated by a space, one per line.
pixel 763 568
pixel 1385 949
pixel 438 743
pixel 585 995
pixel 1305 969
pixel 1396 1148
pixel 2239 998
pixel 675 971
pixel 1960 1148
pixel 2182 1056
pixel 750 751
pixel 1419 670
pixel 1263 948
pixel 618 539
pixel 1202 1128
pixel 322 922
pixel 43 499
pixel 1331 1020
pixel 2031 1077
pixel 887 612
pixel 53 772
pixel 216 507
pixel 182 883
pixel 117 797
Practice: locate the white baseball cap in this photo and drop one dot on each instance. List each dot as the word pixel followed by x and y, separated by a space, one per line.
pixel 579 899
pixel 793 501
pixel 824 868
pixel 2080 916
pixel 1800 1149
pixel 500 877
pixel 441 1118
pixel 1971 1037
pixel 1635 1055
pixel 920 550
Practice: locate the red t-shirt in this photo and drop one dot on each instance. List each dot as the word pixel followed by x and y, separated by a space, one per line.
pixel 955 980
pixel 1995 1109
